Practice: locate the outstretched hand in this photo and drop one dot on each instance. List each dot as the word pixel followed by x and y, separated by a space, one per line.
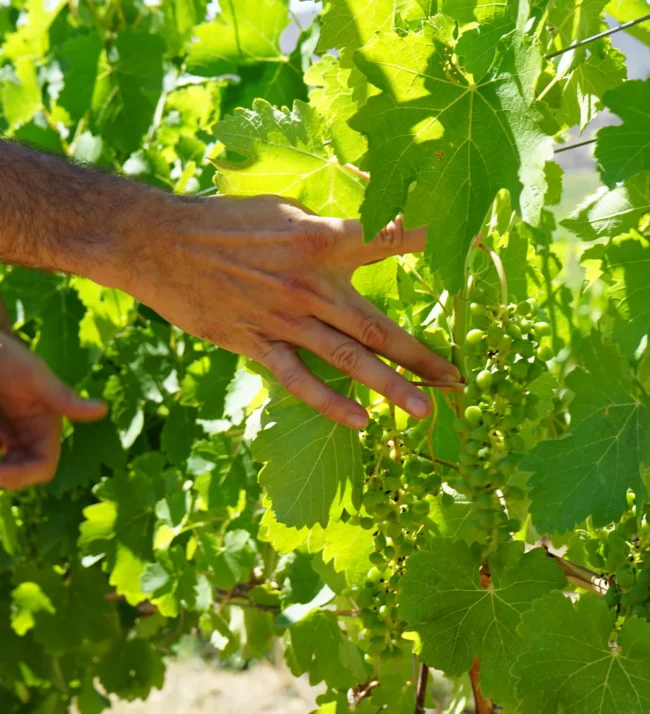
pixel 263 277
pixel 32 404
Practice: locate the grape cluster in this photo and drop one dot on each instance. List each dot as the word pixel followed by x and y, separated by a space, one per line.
pixel 395 509
pixel 622 553
pixel 505 350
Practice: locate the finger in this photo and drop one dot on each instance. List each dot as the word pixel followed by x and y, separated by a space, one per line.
pixel 355 360
pixel 358 318
pixel 393 240
pixel 28 471
pixel 299 381
pixel 65 401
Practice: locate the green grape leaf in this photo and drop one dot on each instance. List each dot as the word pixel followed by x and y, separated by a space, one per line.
pixel 84 452
pixel 466 11
pixel 437 140
pixel 587 83
pixel 32 38
pixel 231 560
pixel 576 20
pixel 179 433
pixel 441 598
pixel 137 82
pixel 28 600
pixel 624 150
pixel 348 547
pixel 477 48
pixel 131 669
pixel 320 649
pixel 610 212
pixel 286 156
pixel 334 98
pixel 626 10
pixel 206 381
pixel 242 33
pixel 588 472
pixel 571 665
pixel 69 612
pixel 312 465
pixel 25 292
pixel 20 93
pixel 349 24
pixel 8 526
pixel 629 293
pixel 58 342
pixel 120 529
pixel 80 64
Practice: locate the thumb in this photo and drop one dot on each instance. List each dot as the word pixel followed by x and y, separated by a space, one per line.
pixel 65 401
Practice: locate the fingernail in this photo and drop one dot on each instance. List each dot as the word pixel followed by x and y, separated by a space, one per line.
pixel 417 406
pixel 450 377
pixel 357 421
pixel 95 403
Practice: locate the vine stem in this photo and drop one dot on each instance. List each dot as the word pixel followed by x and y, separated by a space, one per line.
pixel 422 689
pixel 599 36
pixel 577 145
pixel 460 323
pixel 483 705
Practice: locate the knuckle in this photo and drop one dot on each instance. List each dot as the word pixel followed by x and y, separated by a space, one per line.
pixel 347 358
pixel 325 405
pixel 290 378
pixel 315 239
pixel 373 334
pixel 391 236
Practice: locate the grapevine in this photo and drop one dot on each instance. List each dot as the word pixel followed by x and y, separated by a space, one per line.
pixel 494 556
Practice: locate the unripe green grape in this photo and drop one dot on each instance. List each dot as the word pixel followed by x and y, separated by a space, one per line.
pixel 393 531
pixel 592 545
pixel 505 344
pixel 641 610
pixel 380 540
pixel 525 326
pixel 393 581
pixel 374 431
pixel 407 548
pixel 517 395
pixel 635 595
pixel 496 479
pixel 382 510
pixel 367 523
pixel 421 540
pixel 518 412
pixel 536 370
pixel 523 308
pixel 617 541
pixel 447 500
pixel 612 597
pixel 376 558
pixel 473 415
pixel 613 560
pixel 525 348
pixel 376 645
pixel 545 352
pixel 519 370
pixel 407 520
pixel 374 575
pixel 389 552
pixel 474 337
pixel 477 294
pixel 532 412
pixel 385 422
pixel 365 597
pixel 484 501
pixel 466 459
pixel 391 598
pixel 477 478
pixel 643 576
pixel 494 334
pixel 514 332
pixel 462 426
pixel 513 525
pixel 384 612
pixel 391 517
pixel 421 508
pixel 542 329
pixel 476 308
pixel 515 443
pixel 379 628
pixel 484 380
pixel 472 447
pixel 393 468
pixel 392 483
pixel 489 419
pixel 370 499
pixel 597 560
pixel 434 482
pixel 418 486
pixel 368 618
pixel 505 388
pixel 472 392
pixel 480 433
pixel 625 578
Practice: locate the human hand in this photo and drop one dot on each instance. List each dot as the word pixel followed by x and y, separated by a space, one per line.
pixel 32 404
pixel 263 277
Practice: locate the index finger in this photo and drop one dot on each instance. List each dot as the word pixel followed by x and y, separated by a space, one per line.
pixel 392 240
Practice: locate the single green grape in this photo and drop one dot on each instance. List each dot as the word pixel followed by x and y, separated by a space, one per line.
pixel 473 415
pixel 484 380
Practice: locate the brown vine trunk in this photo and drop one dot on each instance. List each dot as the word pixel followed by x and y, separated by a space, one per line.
pixel 483 706
pixel 422 689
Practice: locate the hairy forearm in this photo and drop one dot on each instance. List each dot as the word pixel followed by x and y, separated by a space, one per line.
pixel 55 215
